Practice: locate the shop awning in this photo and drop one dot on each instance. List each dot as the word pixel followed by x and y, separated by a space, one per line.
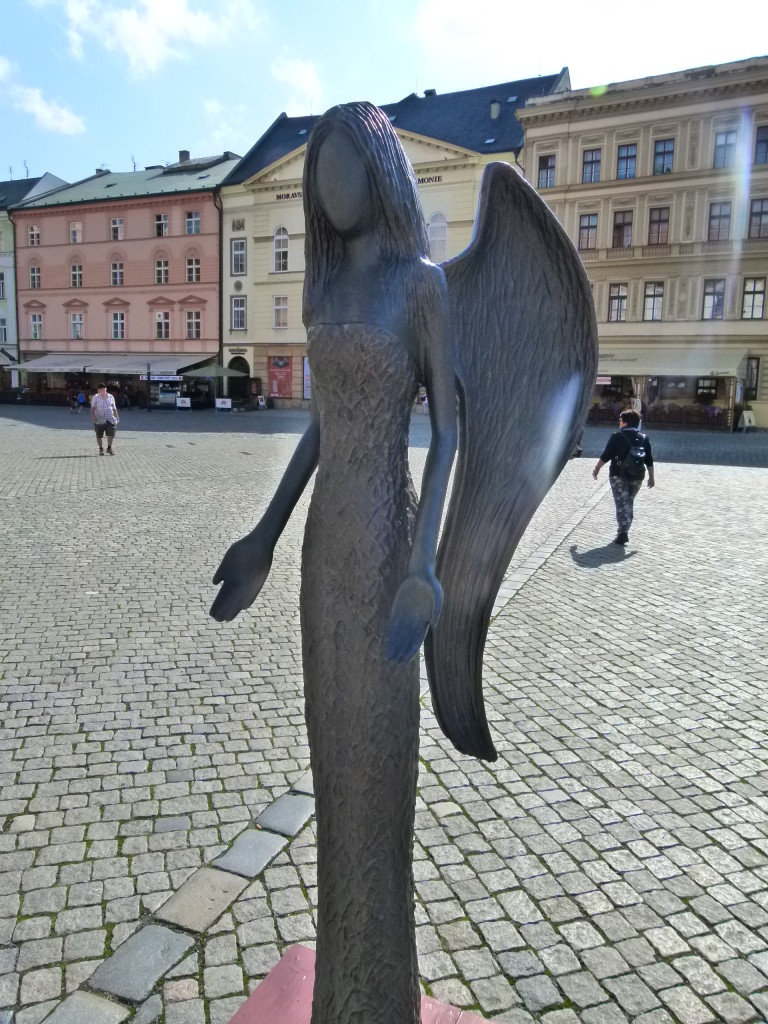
pixel 126 364
pixel 681 361
pixel 215 370
pixel 6 360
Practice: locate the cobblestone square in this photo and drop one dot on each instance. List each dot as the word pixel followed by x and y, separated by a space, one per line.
pixel 611 866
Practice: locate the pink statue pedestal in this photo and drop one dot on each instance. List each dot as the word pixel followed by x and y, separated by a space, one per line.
pixel 285 997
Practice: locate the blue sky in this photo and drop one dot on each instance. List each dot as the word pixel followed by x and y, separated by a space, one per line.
pixel 90 83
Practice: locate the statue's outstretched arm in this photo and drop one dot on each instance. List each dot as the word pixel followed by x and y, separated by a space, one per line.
pixel 246 564
pixel 419 599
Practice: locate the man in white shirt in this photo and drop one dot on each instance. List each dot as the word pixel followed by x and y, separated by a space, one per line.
pixel 104 416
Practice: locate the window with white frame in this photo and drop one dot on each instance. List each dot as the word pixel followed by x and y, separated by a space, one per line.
pixel 622 229
pixel 237 320
pixel 194 323
pixel 2 285
pixel 161 225
pixel 75 231
pixel 753 299
pixel 280 251
pixel 193 270
pixel 237 248
pixel 161 271
pixel 76 275
pixel 3 330
pixel 758 218
pixel 725 149
pixel 588 231
pixel 280 311
pixel 663 156
pixel 658 225
pixel 627 161
pixel 193 222
pixel 590 165
pixel 654 300
pixel 714 299
pixel 34 277
pixel 437 231
pixel 617 303
pixel 162 324
pixel 547 171
pixel 719 222
pixel 76 326
pixel 36 326
pixel 33 234
pixel 116 229
pixel 118 326
pixel 116 271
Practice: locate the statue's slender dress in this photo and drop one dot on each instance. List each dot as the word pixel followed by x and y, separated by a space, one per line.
pixel 362 709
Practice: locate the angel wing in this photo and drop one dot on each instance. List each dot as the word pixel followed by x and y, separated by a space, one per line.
pixel 526 356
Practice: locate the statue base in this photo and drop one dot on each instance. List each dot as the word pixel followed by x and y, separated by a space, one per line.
pixel 285 995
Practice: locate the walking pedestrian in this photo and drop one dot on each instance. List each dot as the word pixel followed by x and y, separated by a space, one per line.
pixel 629 453
pixel 105 418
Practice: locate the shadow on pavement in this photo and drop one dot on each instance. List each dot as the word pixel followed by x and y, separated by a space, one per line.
pixel 608 554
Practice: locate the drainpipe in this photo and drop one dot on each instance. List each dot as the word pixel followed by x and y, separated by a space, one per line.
pixel 217 203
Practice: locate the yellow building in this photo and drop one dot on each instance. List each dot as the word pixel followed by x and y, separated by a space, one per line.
pixel 448 139
pixel 662 183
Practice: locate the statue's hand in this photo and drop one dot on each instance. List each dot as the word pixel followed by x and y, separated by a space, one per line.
pixel 242 572
pixel 416 607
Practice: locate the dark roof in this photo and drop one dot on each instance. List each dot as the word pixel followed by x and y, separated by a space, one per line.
pixel 12 192
pixel 459 118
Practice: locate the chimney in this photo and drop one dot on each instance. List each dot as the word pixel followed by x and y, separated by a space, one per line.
pixel 183 156
pixel 495 109
pixel 430 92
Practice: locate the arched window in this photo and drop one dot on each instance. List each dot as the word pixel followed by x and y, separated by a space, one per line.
pixel 281 250
pixel 437 229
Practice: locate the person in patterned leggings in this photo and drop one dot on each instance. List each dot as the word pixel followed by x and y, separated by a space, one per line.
pixel 624 489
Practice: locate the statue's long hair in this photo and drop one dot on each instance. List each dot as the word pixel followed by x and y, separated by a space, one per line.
pixel 399 228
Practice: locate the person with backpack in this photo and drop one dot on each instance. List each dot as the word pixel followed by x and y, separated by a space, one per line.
pixel 629 453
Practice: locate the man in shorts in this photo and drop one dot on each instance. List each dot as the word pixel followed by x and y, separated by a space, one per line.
pixel 104 416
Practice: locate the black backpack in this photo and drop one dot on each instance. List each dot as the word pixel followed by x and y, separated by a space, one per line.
pixel 632 464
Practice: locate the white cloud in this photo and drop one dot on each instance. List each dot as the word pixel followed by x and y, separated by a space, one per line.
pixel 229 127
pixel 304 78
pixel 49 115
pixel 5 68
pixel 149 33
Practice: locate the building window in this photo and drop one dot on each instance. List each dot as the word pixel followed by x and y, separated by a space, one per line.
pixel 36 326
pixel 714 299
pixel 719 222
pixel 750 382
pixel 588 231
pixel 76 275
pixel 753 301
pixel 663 156
pixel 193 222
pixel 118 326
pixel 725 149
pixel 237 249
pixel 706 388
pixel 280 311
pixel 33 234
pixel 161 271
pixel 281 250
pixel 3 330
pixel 761 145
pixel 617 303
pixel 627 161
pixel 758 218
pixel 75 231
pixel 437 231
pixel 34 277
pixel 654 300
pixel 547 171
pixel 116 274
pixel 193 270
pixel 622 229
pixel 2 285
pixel 590 165
pixel 116 229
pixel 658 226
pixel 237 320
pixel 161 225
pixel 162 325
pixel 76 324
pixel 194 323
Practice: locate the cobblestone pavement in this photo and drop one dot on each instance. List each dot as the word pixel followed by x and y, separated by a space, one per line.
pixel 611 866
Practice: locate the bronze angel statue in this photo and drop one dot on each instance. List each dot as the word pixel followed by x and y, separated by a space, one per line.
pixel 509 327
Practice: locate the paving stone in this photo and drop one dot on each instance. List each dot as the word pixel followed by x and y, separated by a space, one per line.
pixel 132 971
pixel 288 814
pixel 202 899
pixel 150 1011
pixel 538 993
pixel 251 852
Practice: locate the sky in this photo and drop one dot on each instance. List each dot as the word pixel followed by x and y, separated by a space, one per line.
pixel 124 83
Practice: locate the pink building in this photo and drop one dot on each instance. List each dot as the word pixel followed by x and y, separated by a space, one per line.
pixel 120 272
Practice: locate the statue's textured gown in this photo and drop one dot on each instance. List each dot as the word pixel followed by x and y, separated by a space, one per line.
pixel 362 710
